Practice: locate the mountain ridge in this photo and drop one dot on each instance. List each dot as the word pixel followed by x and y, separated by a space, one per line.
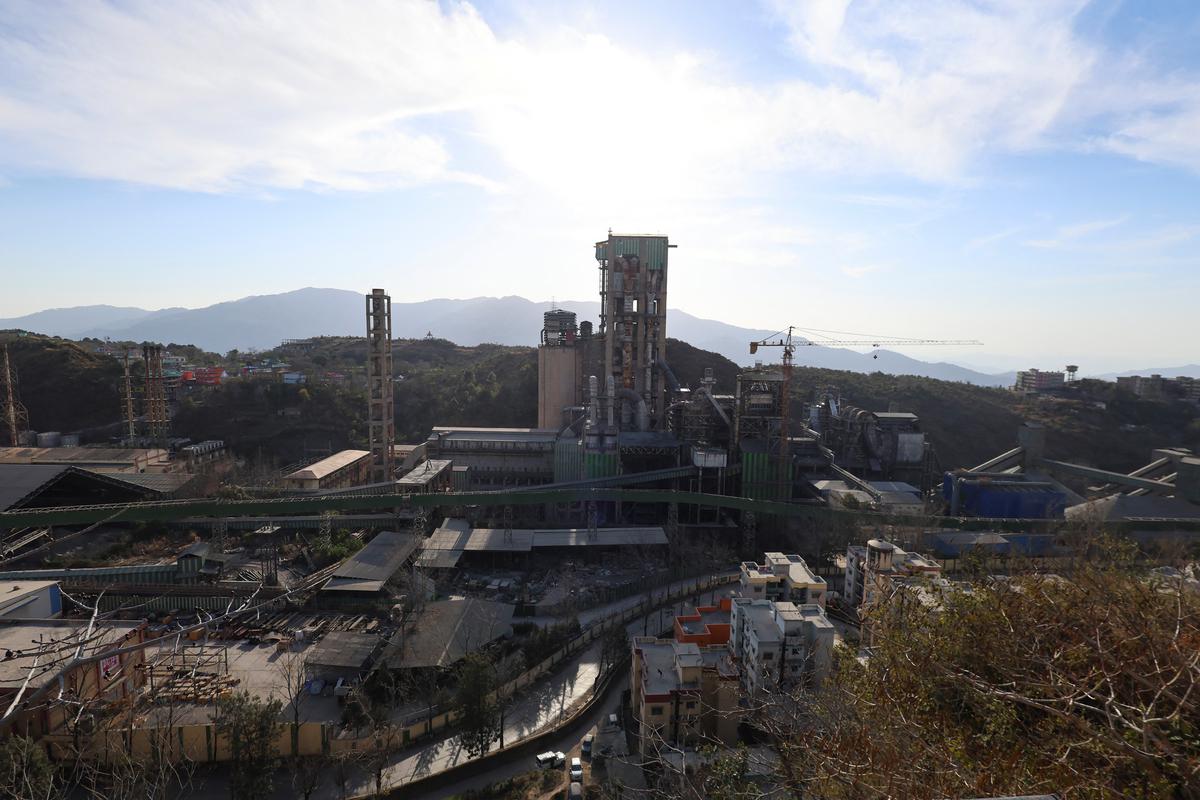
pixel 261 322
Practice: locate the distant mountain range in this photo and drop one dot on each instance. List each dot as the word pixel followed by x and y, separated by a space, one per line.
pixel 262 322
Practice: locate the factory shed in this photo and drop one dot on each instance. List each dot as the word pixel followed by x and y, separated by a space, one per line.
pixel 433 475
pixel 1134 507
pixel 455 539
pixel 108 459
pixel 446 631
pixel 50 485
pixel 955 545
pixel 346 468
pixel 365 573
pixel 342 654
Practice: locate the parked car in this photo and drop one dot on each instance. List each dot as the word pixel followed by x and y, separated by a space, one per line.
pixel 586 746
pixel 550 759
pixel 576 769
pixel 575 791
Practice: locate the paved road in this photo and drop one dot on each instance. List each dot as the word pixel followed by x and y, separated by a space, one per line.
pixel 535 709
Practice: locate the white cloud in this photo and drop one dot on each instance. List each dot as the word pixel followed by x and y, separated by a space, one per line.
pixel 378 94
pixel 982 241
pixel 1068 234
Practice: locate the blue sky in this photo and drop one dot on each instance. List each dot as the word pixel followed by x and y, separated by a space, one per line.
pixel 1023 173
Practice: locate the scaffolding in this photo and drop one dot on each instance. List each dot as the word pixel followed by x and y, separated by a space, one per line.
pixel 187 674
pixel 380 409
pixel 157 419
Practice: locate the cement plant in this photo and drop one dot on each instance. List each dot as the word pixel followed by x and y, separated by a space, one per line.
pixel 665 587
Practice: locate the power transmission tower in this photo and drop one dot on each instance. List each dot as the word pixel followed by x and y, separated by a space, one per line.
pixel 16 418
pixel 130 417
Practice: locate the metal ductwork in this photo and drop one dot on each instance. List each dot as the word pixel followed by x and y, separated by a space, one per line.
pixel 641 410
pixel 668 373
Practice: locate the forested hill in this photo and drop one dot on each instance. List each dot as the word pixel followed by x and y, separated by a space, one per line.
pixel 68 387
pixel 65 387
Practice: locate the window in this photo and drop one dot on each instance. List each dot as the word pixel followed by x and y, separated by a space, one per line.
pixel 768 656
pixel 691 704
pixel 656 711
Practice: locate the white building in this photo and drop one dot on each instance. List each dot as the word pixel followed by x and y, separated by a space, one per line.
pixel 869 569
pixel 30 600
pixel 782 577
pixel 780 643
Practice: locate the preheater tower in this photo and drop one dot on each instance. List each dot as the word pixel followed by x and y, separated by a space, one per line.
pixel 381 423
pixel 633 320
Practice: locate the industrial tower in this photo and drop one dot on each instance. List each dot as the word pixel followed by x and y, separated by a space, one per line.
pixel 560 368
pixel 380 410
pixel 16 418
pixel 633 322
pixel 157 419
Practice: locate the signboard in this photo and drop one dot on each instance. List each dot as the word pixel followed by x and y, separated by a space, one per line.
pixel 109 667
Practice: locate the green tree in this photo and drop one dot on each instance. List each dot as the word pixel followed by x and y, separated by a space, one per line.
pixel 614 646
pixel 251 726
pixel 1085 686
pixel 479 721
pixel 25 771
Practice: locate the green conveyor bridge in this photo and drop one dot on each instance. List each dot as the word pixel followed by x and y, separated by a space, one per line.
pixel 169 510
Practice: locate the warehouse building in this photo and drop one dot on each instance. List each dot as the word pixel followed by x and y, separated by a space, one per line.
pixel 107 459
pixel 497 457
pixel 364 575
pixel 51 485
pixel 457 541
pixel 444 632
pixel 347 468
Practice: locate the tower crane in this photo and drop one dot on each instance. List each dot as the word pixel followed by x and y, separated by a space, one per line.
pixel 785 340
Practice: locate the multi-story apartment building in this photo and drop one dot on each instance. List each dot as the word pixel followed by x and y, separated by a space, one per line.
pixel 778 643
pixel 782 577
pixel 683 695
pixel 869 569
pixel 1032 381
pixel 705 625
pixel 1158 388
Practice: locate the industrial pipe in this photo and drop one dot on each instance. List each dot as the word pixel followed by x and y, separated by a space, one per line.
pixel 610 384
pixel 668 373
pixel 639 405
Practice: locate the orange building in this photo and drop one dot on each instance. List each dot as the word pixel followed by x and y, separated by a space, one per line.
pixel 705 625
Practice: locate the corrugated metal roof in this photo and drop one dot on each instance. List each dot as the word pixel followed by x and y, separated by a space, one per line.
pixel 380 558
pixel 162 482
pixel 18 481
pixel 328 465
pixel 521 541
pixel 448 630
pixel 422 474
pixel 344 649
pixel 80 455
pixel 439 559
